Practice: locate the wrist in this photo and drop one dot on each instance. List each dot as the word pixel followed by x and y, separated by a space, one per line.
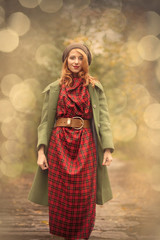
pixel 41 150
pixel 107 150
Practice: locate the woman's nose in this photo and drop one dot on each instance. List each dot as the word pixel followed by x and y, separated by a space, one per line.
pixel 76 60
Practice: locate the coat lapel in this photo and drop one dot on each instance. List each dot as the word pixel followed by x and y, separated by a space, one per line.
pixel 95 107
pixel 94 101
pixel 53 99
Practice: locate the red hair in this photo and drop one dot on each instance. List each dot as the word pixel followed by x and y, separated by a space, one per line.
pixel 66 74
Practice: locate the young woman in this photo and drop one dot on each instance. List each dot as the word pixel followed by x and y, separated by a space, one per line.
pixel 74 148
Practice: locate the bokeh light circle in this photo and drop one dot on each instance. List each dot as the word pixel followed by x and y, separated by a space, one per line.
pixel 10 157
pixel 130 54
pixel 152 116
pixel 26 132
pixel 34 84
pixel 11 167
pixel 139 97
pixel 43 54
pixel 153 23
pixel 8 81
pixel 9 40
pixel 148 147
pixel 6 110
pixel 10 147
pixel 116 105
pixel 124 128
pixel 22 98
pixel 29 3
pixel 48 56
pixel 50 6
pixel 9 128
pixel 149 48
pixel 19 23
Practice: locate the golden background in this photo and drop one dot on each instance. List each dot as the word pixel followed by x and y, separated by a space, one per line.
pixel 123 37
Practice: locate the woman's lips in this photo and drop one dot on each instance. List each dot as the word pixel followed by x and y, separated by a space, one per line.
pixel 76 67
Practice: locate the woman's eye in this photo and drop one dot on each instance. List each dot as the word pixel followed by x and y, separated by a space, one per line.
pixel 80 58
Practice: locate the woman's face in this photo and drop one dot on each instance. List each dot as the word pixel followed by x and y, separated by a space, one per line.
pixel 75 61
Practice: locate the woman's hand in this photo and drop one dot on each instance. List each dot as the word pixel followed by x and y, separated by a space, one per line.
pixel 42 160
pixel 107 158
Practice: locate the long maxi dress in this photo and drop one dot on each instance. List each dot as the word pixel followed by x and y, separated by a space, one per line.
pixel 72 168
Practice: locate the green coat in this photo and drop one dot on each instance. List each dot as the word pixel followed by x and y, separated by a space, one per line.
pixel 101 133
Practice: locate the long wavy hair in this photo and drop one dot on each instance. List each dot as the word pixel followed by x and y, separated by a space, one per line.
pixel 67 75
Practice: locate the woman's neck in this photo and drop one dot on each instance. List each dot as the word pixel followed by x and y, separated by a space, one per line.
pixel 75 75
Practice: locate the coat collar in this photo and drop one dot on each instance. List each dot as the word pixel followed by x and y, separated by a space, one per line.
pixel 55 86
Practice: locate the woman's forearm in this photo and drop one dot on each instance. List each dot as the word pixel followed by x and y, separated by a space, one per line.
pixel 41 149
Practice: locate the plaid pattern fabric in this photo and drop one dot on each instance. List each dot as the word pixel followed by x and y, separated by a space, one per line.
pixel 72 168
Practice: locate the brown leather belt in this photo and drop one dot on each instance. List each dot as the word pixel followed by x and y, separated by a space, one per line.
pixel 74 122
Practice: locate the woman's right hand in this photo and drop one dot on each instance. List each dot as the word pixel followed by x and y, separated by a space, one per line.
pixel 42 160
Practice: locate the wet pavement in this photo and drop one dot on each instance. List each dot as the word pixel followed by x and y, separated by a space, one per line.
pixel 132 214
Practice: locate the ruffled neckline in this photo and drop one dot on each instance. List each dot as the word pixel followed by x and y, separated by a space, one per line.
pixel 76 83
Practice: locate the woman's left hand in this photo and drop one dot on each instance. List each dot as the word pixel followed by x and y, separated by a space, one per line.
pixel 107 158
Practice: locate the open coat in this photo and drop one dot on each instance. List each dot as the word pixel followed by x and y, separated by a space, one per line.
pixel 101 132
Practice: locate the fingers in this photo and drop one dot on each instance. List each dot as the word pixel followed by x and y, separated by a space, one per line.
pixel 42 162
pixel 44 165
pixel 107 161
pixel 107 158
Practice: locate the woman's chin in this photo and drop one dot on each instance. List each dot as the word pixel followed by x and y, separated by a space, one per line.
pixel 75 70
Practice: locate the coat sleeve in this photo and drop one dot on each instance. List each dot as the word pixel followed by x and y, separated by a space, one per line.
pixel 42 128
pixel 104 122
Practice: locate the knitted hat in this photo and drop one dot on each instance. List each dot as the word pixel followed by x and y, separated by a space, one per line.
pixel 77 45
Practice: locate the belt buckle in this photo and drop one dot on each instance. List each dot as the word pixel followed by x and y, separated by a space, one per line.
pixel 81 121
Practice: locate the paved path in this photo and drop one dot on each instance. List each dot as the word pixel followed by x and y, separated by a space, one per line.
pixel 133 214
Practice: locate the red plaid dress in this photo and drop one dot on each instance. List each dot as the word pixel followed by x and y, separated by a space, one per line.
pixel 72 168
